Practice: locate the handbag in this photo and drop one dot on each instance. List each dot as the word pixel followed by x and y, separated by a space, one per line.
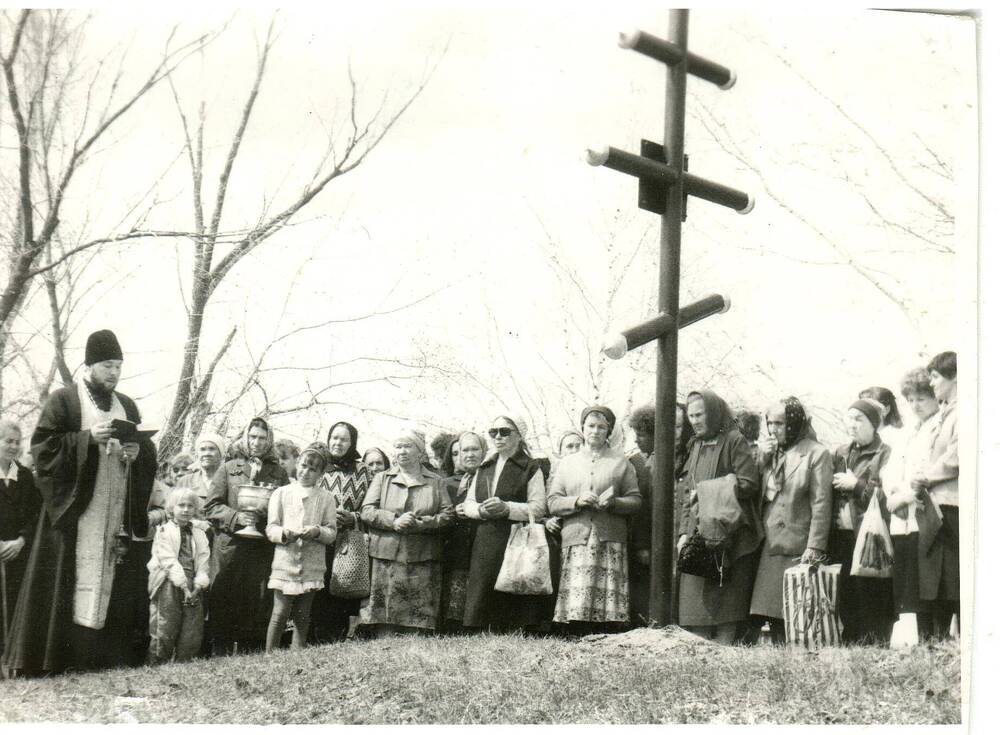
pixel 350 573
pixel 697 559
pixel 525 568
pixel 873 545
pixel 810 598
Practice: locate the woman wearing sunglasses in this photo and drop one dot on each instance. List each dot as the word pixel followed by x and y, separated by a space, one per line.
pixel 507 488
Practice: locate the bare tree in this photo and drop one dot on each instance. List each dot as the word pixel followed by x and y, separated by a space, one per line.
pixel 218 250
pixel 61 111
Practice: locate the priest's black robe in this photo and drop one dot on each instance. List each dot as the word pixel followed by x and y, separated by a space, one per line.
pixel 43 637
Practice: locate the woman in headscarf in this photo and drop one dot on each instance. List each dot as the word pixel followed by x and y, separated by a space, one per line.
pixel 406 509
pixel 210 449
pixel 348 478
pixel 796 474
pixel 241 566
pixel 717 610
pixel 507 485
pixel 458 537
pixel 375 460
pixel 569 443
pixel 594 491
pixel 866 606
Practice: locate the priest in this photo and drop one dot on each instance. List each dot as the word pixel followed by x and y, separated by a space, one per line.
pixel 83 603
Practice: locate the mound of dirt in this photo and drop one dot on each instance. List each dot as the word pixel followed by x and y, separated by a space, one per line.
pixel 650 639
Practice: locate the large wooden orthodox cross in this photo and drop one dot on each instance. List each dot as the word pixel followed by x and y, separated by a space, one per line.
pixel 664 185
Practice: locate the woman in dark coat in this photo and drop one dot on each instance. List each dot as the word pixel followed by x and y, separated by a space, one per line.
pixel 348 478
pixel 458 538
pixel 867 610
pixel 506 485
pixel 241 566
pixel 709 609
pixel 19 506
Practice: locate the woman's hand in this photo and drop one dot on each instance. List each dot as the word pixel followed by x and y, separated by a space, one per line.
pixel 587 500
pixel 290 536
pixel 919 482
pixel 812 556
pixel 345 519
pixel 406 521
pixel 845 481
pixel 460 510
pixel 246 518
pixel 767 445
pixel 494 508
pixel 310 532
pixel 553 525
pixel 681 541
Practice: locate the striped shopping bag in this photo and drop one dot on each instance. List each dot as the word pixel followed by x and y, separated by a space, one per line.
pixel 809 598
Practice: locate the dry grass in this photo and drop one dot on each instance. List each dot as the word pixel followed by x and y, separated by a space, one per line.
pixel 427 680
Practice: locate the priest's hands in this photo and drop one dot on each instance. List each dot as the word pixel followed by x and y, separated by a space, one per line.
pixel 10 550
pixel 101 432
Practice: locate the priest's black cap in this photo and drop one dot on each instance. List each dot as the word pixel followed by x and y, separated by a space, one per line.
pixel 102 345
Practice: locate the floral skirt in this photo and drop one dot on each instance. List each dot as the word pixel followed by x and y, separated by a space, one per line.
pixel 593 583
pixel 404 593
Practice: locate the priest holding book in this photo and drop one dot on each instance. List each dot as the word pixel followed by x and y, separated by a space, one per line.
pixel 83 602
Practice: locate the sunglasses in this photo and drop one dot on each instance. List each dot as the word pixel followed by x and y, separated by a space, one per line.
pixel 502 431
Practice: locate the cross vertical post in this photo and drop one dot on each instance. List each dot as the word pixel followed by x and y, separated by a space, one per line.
pixel 662 553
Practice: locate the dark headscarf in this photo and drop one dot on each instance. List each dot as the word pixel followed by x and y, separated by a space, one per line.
pixel 718 415
pixel 797 424
pixel 383 455
pixel 606 412
pixel 349 461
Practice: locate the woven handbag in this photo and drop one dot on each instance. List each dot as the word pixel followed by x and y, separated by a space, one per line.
pixel 350 574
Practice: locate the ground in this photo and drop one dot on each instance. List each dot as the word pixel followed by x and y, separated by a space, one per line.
pixel 645 676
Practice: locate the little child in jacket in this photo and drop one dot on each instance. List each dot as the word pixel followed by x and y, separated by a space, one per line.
pixel 302 521
pixel 178 574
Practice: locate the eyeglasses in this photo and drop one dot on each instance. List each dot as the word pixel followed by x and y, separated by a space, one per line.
pixel 502 431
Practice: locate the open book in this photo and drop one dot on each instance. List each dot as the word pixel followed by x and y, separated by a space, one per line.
pixel 127 431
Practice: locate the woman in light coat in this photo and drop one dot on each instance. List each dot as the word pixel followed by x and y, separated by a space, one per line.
pixel 797 504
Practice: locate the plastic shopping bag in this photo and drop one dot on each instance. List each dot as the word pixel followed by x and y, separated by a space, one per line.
pixel 873 547
pixel 525 569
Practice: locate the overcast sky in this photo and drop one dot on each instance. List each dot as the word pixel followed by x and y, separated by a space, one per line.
pixel 479 200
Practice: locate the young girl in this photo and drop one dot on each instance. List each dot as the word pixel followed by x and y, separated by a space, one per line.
pixel 178 574
pixel 301 519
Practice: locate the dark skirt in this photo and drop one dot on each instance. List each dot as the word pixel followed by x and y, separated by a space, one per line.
pixel 943 557
pixel 240 600
pixel 867 609
pixel 906 574
pixel 709 603
pixel 484 606
pixel 768 588
pixel 638 590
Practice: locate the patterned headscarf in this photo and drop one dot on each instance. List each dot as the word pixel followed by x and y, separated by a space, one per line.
pixel 797 424
pixel 417 437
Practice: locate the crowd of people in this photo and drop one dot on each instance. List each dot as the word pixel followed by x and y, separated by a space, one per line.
pixel 253 544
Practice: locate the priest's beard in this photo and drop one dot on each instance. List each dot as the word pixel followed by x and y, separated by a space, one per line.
pixel 100 392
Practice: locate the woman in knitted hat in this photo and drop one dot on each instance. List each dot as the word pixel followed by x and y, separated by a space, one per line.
pixel 508 487
pixel 406 509
pixel 594 491
pixel 867 609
